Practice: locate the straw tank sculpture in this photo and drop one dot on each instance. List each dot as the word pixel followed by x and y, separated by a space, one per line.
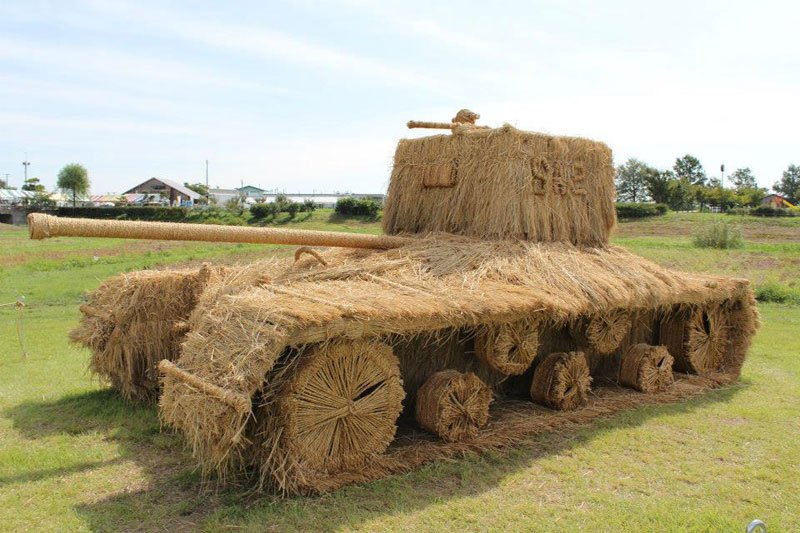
pixel 492 308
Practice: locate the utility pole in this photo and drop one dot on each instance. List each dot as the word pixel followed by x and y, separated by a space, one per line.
pixel 208 194
pixel 7 179
pixel 25 165
pixel 722 174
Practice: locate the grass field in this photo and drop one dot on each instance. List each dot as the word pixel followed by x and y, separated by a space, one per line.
pixel 73 456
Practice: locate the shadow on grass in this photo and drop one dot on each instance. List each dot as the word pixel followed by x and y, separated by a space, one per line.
pixel 176 498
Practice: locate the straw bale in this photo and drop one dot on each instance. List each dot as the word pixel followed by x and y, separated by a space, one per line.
pixel 134 320
pixel 502 183
pixel 508 348
pixel 646 368
pixel 453 405
pixel 562 381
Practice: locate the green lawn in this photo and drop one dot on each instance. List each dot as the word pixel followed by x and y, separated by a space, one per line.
pixel 73 456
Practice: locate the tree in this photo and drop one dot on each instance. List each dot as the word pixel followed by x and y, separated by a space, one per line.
pixel 750 196
pixel 200 189
pixel 33 185
pixel 74 178
pixel 3 184
pixel 631 180
pixel 689 168
pixel 657 184
pixel 718 196
pixel 681 195
pixel 742 178
pixel 789 185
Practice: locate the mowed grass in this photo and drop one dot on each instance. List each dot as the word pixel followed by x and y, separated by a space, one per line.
pixel 73 456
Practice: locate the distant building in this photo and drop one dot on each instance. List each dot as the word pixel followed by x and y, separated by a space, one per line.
pixel 249 191
pixel 776 200
pixel 172 192
pixel 223 196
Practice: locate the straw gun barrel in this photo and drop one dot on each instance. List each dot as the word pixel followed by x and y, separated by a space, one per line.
pixel 42 226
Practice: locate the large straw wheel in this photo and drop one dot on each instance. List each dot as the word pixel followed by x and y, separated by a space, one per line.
pixel 697 339
pixel 562 381
pixel 341 406
pixel 453 405
pixel 706 340
pixel 606 331
pixel 646 368
pixel 508 348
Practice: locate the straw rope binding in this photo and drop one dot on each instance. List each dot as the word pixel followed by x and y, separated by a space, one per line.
pixel 562 381
pixel 646 368
pixel 453 405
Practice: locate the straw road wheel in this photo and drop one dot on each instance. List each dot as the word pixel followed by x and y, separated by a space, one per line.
pixel 646 368
pixel 605 332
pixel 508 348
pixel 453 405
pixel 342 404
pixel 561 381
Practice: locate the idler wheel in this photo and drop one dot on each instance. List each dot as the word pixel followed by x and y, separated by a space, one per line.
pixel 453 405
pixel 508 348
pixel 341 406
pixel 646 368
pixel 562 381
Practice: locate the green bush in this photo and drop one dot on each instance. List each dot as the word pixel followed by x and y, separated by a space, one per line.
pixel 719 234
pixel 772 291
pixel 639 210
pixel 357 207
pixel 738 211
pixel 768 211
pixel 262 210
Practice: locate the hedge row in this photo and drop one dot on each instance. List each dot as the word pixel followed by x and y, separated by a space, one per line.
pixel 211 215
pixel 640 210
pixel 768 211
pixel 357 207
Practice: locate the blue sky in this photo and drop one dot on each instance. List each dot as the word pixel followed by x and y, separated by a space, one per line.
pixel 303 96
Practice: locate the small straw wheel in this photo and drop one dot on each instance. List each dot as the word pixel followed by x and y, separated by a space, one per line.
pixel 342 404
pixel 706 341
pixel 508 348
pixel 646 368
pixel 561 381
pixel 453 405
pixel 605 332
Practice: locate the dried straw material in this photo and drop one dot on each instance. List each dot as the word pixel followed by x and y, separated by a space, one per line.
pixel 606 331
pixel 341 405
pixel 508 348
pixel 453 405
pixel 698 337
pixel 562 381
pixel 508 184
pixel 132 321
pixel 646 368
pixel 43 226
pixel 444 286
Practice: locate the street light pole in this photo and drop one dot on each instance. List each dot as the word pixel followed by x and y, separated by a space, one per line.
pixel 25 165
